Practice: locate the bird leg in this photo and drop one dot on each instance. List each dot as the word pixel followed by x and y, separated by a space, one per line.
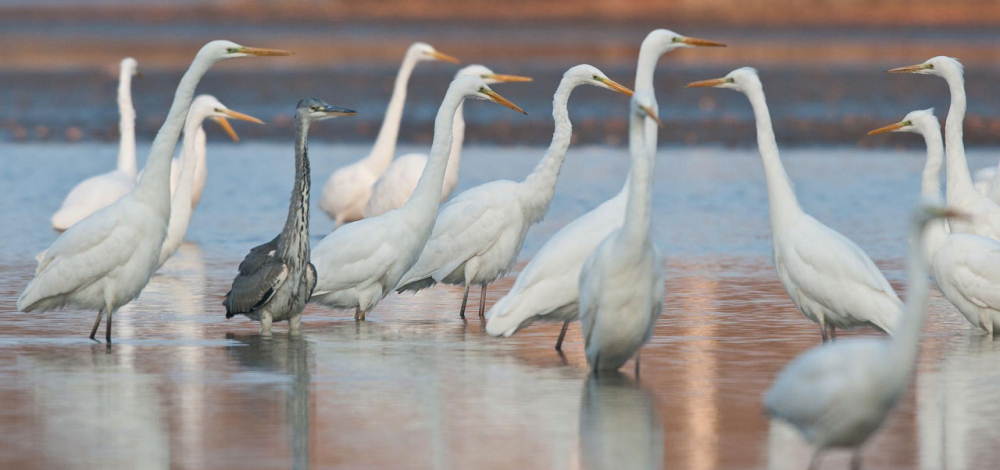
pixel 638 355
pixel 856 460
pixel 482 303
pixel 465 299
pixel 293 324
pixel 833 333
pixel 97 323
pixel 107 333
pixel 822 329
pixel 363 316
pixel 987 323
pixel 265 323
pixel 562 334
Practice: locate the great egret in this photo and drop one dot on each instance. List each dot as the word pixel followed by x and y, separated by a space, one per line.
pixel 478 234
pixel 200 163
pixel 960 191
pixel 276 278
pixel 547 289
pixel 346 192
pixel 837 394
pixel 966 267
pixel 621 284
pixel 831 280
pixel 97 192
pixel 396 184
pixel 192 157
pixel 360 263
pixel 104 261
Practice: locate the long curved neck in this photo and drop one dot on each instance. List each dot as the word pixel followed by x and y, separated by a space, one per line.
pixel 423 203
pixel 539 186
pixel 457 140
pixel 959 180
pixel 126 124
pixel 907 336
pixel 649 55
pixel 930 188
pixel 180 202
pixel 638 212
pixel 295 236
pixel 385 144
pixel 784 205
pixel 154 186
pixel 201 165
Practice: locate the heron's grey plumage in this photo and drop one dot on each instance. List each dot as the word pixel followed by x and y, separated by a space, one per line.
pixel 276 279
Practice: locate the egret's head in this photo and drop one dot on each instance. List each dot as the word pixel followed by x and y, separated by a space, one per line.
pixel 488 76
pixel 130 67
pixel 741 79
pixel 589 75
pixel 665 40
pixel 916 122
pixel 474 87
pixel 208 107
pixel 940 66
pixel 222 50
pixel 642 106
pixel 315 109
pixel 424 51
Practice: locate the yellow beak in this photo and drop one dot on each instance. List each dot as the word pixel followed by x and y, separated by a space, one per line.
pixel 908 69
pixel 259 51
pixel 706 83
pixel 615 86
pixel 702 42
pixel 504 101
pixel 507 78
pixel 652 115
pixel 224 124
pixel 889 128
pixel 445 57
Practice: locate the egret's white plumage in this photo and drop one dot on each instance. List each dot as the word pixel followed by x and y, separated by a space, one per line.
pixel 837 394
pixel 192 158
pixel 478 234
pixel 621 283
pixel 965 267
pixel 547 287
pixel 97 192
pixel 398 181
pixel 346 192
pixel 960 190
pixel 104 261
pixel 359 264
pixel 829 277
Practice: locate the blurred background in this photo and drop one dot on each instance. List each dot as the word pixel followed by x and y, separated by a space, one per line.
pixel 821 62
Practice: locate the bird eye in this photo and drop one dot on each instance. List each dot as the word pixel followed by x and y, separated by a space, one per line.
pixel 731 80
pixel 314 108
pixel 232 50
pixel 482 89
pixel 930 66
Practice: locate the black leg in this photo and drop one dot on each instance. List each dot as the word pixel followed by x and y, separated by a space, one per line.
pixel 97 323
pixel 465 300
pixel 107 335
pixel 562 334
pixel 482 303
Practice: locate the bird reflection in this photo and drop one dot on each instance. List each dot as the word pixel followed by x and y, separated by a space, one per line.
pixel 620 425
pixel 290 355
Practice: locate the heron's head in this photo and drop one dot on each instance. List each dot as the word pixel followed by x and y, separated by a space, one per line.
pixel 642 106
pixel 488 76
pixel 424 51
pixel 916 122
pixel 130 67
pixel 741 79
pixel 940 66
pixel 471 86
pixel 315 109
pixel 208 107
pixel 665 40
pixel 589 75
pixel 221 50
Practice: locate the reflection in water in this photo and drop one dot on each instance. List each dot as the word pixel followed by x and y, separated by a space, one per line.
pixel 286 355
pixel 697 296
pixel 957 407
pixel 620 426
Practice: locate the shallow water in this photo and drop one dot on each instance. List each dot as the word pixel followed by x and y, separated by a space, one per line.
pixel 415 387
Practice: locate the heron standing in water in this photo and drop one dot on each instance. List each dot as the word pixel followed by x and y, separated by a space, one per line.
pixel 276 279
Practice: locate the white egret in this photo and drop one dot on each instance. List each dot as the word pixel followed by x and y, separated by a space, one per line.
pixel 104 261
pixel 396 184
pixel 837 394
pixel 346 192
pixel 831 280
pixel 960 191
pixel 97 192
pixel 276 278
pixel 200 162
pixel 966 267
pixel 546 289
pixel 621 283
pixel 360 263
pixel 192 156
pixel 478 234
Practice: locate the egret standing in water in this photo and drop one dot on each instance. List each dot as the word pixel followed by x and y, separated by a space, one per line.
pixel 276 279
pixel 98 192
pixel 192 156
pixel 621 284
pixel 965 267
pixel 397 183
pixel 547 288
pixel 478 234
pixel 837 394
pixel 360 263
pixel 104 261
pixel 829 277
pixel 346 192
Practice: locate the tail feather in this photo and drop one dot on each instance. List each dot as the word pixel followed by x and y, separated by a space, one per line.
pixel 416 285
